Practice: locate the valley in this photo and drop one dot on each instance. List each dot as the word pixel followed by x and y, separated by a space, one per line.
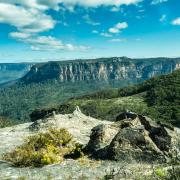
pixel 13 71
pixel 52 83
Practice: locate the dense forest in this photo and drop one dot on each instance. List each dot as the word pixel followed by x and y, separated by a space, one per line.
pixel 19 100
pixel 158 98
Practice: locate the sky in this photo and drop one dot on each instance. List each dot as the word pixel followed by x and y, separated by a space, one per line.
pixel 50 30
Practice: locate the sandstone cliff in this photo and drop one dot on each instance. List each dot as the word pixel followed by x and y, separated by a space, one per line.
pixel 104 69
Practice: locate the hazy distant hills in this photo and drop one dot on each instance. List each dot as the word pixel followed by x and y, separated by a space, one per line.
pixel 13 71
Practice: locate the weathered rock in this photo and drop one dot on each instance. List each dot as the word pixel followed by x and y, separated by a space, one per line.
pixel 101 137
pixel 133 144
pixel 134 138
pixel 163 136
pixel 125 140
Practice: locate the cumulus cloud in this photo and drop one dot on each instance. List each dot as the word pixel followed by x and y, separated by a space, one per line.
pixel 91 3
pixel 176 21
pixel 45 43
pixel 19 35
pixel 54 4
pixel 118 27
pixel 154 2
pixel 30 18
pixel 88 20
pixel 29 23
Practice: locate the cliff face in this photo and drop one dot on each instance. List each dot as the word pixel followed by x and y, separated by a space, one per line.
pixel 12 71
pixel 102 69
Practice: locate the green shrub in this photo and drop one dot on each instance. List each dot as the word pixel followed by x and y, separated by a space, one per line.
pixel 43 149
pixel 5 122
pixel 161 173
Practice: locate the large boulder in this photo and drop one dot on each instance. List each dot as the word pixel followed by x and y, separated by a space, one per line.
pixel 101 137
pixel 135 137
pixel 133 144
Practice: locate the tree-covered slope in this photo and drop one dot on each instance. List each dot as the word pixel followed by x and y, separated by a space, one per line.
pixel 158 98
pixel 19 100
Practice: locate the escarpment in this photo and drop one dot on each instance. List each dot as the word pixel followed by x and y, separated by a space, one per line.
pixel 106 69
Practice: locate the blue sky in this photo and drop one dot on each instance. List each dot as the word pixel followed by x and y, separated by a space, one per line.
pixel 43 30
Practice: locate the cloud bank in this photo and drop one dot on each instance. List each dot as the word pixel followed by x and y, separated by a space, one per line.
pixel 29 17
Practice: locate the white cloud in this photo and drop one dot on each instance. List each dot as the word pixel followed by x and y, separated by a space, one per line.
pixel 26 3
pixel 114 30
pixel 115 9
pixel 46 43
pixel 105 34
pixel 54 4
pixel 118 27
pixel 19 35
pixel 154 2
pixel 96 3
pixel 29 20
pixel 88 20
pixel 176 21
pixel 118 40
pixel 29 23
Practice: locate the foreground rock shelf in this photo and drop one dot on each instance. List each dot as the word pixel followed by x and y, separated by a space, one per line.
pixel 120 148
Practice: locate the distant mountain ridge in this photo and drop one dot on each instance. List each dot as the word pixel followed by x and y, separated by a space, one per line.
pixel 13 71
pixel 103 69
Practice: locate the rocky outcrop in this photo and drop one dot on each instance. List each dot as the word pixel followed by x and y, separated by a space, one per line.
pixel 135 137
pixel 125 140
pixel 105 69
pixel 101 136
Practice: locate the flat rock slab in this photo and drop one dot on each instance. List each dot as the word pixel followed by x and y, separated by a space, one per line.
pixel 78 125
pixel 74 170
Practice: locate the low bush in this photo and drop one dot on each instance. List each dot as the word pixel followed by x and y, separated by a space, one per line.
pixel 5 122
pixel 44 148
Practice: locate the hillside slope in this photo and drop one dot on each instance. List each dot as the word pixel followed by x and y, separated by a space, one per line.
pixel 158 98
pixel 43 86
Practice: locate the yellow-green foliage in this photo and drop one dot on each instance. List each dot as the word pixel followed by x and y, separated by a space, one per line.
pixel 161 173
pixel 44 148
